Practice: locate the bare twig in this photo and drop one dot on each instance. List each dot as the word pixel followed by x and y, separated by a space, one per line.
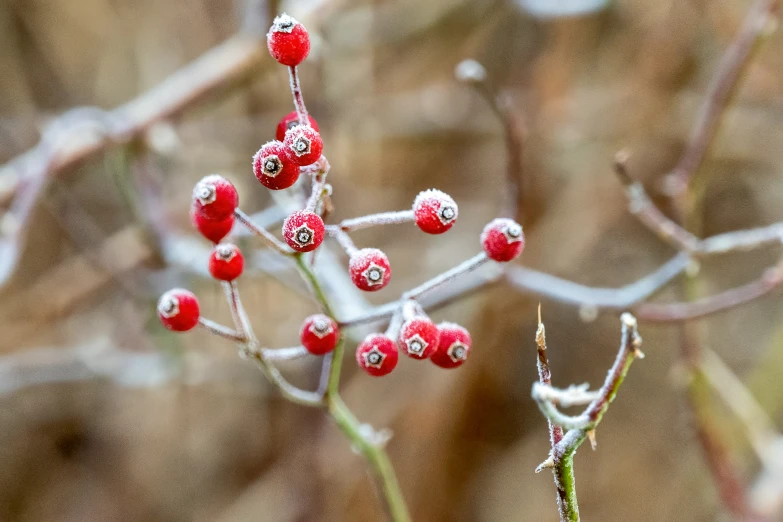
pixel 724 84
pixel 270 240
pixel 581 427
pixel 385 218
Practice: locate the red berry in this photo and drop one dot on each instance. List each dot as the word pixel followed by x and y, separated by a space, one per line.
pixel 273 167
pixel 215 197
pixel 303 144
pixel 453 347
pixel 319 334
pixel 288 40
pixel 377 355
pixel 435 212
pixel 370 269
pixel 290 120
pixel 419 337
pixel 210 228
pixel 502 239
pixel 178 310
pixel 303 230
pixel 226 262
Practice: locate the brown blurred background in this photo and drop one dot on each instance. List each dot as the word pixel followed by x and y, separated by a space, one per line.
pixel 105 416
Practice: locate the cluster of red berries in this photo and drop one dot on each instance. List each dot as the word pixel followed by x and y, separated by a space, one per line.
pixel 277 165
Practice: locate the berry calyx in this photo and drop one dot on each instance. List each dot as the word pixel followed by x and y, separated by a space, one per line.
pixel 434 211
pixel 226 262
pixel 288 41
pixel 503 240
pixel 215 197
pixel 178 310
pixel 453 347
pixel 377 355
pixel 211 229
pixel 291 120
pixel 319 334
pixel 303 144
pixel 419 337
pixel 303 230
pixel 273 167
pixel 370 269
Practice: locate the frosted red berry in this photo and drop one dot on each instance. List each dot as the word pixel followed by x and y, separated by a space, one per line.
pixel 370 269
pixel 226 262
pixel 377 355
pixel 290 120
pixel 502 239
pixel 303 144
pixel 303 230
pixel 319 334
pixel 434 211
pixel 453 347
pixel 288 41
pixel 211 229
pixel 273 167
pixel 178 310
pixel 419 337
pixel 215 197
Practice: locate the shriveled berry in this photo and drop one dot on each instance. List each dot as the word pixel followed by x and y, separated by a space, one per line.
pixel 288 41
pixel 273 167
pixel 226 262
pixel 370 269
pixel 215 197
pixel 377 355
pixel 502 239
pixel 211 229
pixel 419 337
pixel 453 347
pixel 290 120
pixel 319 334
pixel 303 230
pixel 303 144
pixel 178 310
pixel 434 211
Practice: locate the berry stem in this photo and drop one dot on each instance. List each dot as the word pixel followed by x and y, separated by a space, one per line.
pixel 384 218
pixel 342 238
pixel 284 354
pixel 268 238
pixel 296 91
pixel 353 430
pixel 463 268
pixel 221 331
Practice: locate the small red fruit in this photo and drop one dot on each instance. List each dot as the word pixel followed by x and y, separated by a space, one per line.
pixel 215 197
pixel 419 337
pixel 210 228
pixel 377 355
pixel 226 262
pixel 273 167
pixel 288 41
pixel 303 230
pixel 370 269
pixel 178 310
pixel 453 347
pixel 435 211
pixel 290 120
pixel 303 144
pixel 319 334
pixel 502 239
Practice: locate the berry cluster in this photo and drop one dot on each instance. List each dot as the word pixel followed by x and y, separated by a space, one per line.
pixel 296 150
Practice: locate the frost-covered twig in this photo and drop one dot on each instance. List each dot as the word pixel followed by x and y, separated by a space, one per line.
pixel 582 426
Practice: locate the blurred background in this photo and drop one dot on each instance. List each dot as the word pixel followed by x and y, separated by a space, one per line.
pixel 105 416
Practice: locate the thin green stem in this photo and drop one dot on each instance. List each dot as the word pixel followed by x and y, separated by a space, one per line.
pixel 372 450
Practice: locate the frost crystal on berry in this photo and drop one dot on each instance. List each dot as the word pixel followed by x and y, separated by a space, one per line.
pixel 303 230
pixel 205 193
pixel 370 269
pixel 304 143
pixel 453 347
pixel 283 24
pixel 215 197
pixel 503 239
pixel 168 306
pixel 321 327
pixel 226 252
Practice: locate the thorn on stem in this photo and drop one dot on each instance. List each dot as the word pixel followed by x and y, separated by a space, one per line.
pixel 592 439
pixel 549 463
